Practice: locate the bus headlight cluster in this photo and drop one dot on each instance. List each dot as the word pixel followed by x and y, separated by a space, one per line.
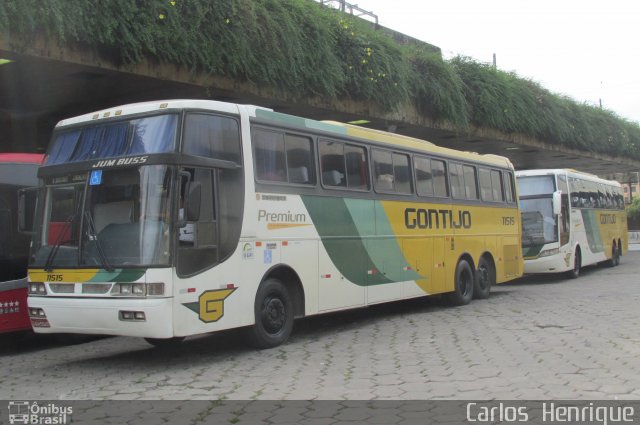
pixel 138 289
pixel 37 288
pixel 548 252
pixel 36 312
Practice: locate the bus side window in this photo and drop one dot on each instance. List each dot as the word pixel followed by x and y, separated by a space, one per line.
pixel 212 136
pixel 332 163
pixel 383 170
pixel 457 181
pixel 299 159
pixel 439 170
pixel 269 155
pixel 424 176
pixel 470 182
pixel 508 187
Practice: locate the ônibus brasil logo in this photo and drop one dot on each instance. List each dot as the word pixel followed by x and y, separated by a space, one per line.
pixel 26 412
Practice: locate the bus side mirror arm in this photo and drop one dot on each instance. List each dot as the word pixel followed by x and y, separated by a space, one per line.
pixel 190 210
pixel 193 201
pixel 557 202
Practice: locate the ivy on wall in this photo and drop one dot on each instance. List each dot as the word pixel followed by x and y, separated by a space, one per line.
pixel 308 50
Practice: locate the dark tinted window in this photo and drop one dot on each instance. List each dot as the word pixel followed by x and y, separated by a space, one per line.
pixel 268 151
pixel 344 165
pixel 299 159
pixel 212 136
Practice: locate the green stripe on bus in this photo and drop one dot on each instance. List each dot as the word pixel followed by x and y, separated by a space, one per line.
pixel 342 240
pixel 591 227
pixel 118 275
pixel 384 249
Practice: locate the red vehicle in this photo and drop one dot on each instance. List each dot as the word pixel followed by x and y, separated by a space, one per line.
pixel 17 171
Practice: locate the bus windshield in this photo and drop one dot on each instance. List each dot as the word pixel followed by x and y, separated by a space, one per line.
pixel 153 134
pixel 539 225
pixel 108 218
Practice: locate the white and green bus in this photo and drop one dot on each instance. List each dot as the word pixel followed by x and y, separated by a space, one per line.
pixel 570 219
pixel 169 219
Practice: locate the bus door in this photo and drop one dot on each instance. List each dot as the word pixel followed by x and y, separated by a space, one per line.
pixel 197 222
pixel 565 215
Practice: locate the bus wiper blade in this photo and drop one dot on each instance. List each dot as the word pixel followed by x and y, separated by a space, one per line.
pixel 48 265
pixel 92 229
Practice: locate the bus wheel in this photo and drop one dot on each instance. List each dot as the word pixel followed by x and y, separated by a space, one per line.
pixel 619 251
pixel 273 313
pixel 615 256
pixel 577 265
pixel 485 278
pixel 165 342
pixel 464 282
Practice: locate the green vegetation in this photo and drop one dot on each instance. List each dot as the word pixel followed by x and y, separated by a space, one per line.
pixel 633 209
pixel 307 50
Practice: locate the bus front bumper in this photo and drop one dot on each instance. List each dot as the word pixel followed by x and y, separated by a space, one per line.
pixel 104 316
pixel 550 264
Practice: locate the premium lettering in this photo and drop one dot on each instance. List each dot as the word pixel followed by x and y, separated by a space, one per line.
pixel 287 217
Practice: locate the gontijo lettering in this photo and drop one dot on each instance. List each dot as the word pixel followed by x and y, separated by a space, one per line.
pixel 422 218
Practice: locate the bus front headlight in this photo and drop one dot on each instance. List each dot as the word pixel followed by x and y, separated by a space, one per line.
pixel 37 288
pixel 549 252
pixel 138 289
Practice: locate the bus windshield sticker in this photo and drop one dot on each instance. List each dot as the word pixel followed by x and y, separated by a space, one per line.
pixel 96 178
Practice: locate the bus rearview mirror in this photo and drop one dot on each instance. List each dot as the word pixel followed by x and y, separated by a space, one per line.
pixel 194 194
pixel 557 202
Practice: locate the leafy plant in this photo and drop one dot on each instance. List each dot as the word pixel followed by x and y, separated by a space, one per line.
pixel 306 50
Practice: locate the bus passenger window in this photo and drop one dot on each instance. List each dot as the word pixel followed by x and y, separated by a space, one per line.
pixel 439 170
pixel 424 176
pixel 383 170
pixel 486 191
pixel 401 173
pixel 457 181
pixel 357 167
pixel 508 187
pixel 212 136
pixel 299 159
pixel 470 182
pixel 269 155
pixel 332 163
pixel 496 185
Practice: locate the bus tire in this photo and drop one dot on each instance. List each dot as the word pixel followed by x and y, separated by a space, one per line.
pixel 464 281
pixel 273 315
pixel 615 256
pixel 619 258
pixel 577 265
pixel 485 279
pixel 165 343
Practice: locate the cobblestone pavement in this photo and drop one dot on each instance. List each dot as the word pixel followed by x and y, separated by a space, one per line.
pixel 536 338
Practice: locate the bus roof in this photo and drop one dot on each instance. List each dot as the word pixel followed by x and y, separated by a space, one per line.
pixel 419 144
pixel 21 158
pixel 569 171
pixel 338 128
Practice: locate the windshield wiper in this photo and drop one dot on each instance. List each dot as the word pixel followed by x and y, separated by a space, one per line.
pixel 93 235
pixel 48 265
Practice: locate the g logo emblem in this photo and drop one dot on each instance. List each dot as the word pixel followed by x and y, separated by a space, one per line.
pixel 211 304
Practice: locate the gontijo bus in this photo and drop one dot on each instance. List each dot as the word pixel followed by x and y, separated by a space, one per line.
pixel 174 218
pixel 570 219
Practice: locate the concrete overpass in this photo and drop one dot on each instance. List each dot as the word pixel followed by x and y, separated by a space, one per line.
pixel 45 82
